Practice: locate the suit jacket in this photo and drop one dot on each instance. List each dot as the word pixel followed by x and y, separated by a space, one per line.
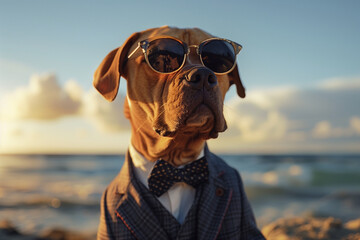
pixel 223 211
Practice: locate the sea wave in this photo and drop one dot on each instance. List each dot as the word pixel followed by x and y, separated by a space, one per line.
pixel 52 202
pixel 43 191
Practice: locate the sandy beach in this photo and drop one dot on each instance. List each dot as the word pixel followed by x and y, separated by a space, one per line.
pixel 284 229
pixel 312 228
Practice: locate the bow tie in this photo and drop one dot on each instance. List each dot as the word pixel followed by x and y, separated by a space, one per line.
pixel 164 175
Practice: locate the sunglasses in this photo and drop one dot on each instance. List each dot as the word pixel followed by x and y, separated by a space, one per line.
pixel 168 55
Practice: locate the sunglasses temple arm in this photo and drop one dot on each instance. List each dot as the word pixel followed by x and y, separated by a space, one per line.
pixel 132 53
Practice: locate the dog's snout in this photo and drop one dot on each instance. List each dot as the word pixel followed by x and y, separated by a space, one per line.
pixel 201 77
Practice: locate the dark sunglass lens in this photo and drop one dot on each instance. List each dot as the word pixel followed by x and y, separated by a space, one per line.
pixel 165 55
pixel 218 55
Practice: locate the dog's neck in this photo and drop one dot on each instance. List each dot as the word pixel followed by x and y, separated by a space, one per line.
pixel 178 150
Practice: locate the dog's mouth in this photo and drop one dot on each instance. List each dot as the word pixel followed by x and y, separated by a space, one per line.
pixel 202 122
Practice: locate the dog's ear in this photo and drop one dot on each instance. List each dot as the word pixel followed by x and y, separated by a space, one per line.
pixel 107 75
pixel 235 79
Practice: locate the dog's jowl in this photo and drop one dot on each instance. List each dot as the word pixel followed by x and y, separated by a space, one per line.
pixel 171 186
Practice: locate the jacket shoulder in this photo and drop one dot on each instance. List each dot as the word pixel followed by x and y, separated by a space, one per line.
pixel 220 168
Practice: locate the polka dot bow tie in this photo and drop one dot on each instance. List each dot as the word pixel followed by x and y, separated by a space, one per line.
pixel 164 175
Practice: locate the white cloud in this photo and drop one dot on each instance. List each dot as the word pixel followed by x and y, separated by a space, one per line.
pixel 63 119
pixel 340 84
pixel 42 99
pixel 73 90
pixel 253 123
pixel 322 129
pixel 108 117
pixel 294 118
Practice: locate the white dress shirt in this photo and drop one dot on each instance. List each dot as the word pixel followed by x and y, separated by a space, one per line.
pixel 178 199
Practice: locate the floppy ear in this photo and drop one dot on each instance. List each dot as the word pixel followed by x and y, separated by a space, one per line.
pixel 107 75
pixel 235 79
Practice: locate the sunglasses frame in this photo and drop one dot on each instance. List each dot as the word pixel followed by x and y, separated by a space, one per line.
pixel 145 43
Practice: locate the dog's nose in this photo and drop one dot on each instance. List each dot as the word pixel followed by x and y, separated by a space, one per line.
pixel 201 77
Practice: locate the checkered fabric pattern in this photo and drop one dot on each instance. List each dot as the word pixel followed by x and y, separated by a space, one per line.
pixel 172 228
pixel 222 210
pixel 164 175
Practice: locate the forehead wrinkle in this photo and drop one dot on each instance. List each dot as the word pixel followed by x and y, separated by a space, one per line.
pixel 191 36
pixel 186 37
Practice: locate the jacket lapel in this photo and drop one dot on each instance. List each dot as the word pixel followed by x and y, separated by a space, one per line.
pixel 138 217
pixel 132 209
pixel 214 202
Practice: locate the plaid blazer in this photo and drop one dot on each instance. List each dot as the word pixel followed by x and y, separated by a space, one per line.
pixel 223 211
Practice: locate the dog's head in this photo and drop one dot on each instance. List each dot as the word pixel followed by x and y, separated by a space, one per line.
pixel 183 106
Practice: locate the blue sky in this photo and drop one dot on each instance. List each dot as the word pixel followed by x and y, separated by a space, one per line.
pixel 299 47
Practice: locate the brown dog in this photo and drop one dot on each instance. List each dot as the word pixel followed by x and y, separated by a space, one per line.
pixel 170 118
pixel 172 115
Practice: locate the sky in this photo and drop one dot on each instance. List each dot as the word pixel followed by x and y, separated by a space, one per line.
pixel 300 65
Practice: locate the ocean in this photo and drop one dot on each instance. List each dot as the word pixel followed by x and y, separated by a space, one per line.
pixel 38 192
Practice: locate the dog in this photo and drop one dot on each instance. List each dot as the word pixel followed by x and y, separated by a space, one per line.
pixel 176 84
